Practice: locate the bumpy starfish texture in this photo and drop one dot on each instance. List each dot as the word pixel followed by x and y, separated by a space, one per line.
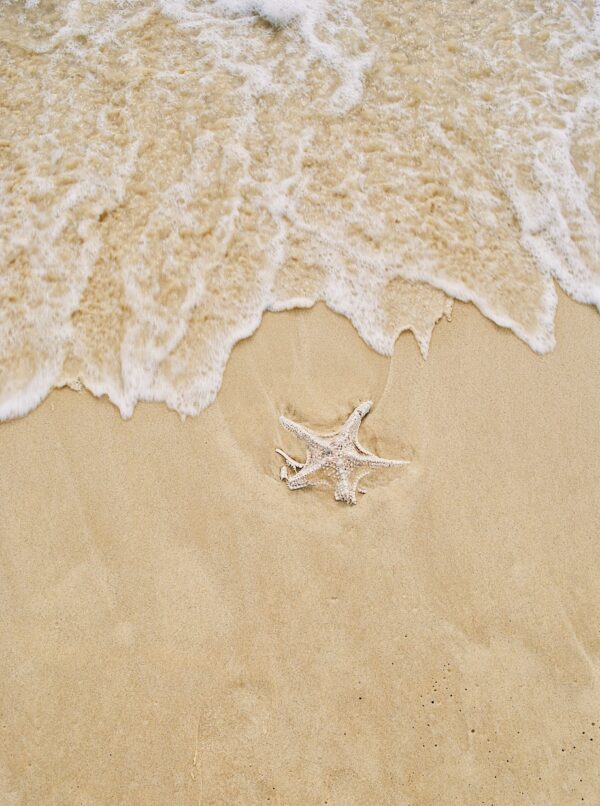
pixel 338 456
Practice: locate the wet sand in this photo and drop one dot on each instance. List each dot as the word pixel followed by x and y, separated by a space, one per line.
pixel 178 627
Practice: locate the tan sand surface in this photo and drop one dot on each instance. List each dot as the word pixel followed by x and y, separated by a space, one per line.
pixel 177 627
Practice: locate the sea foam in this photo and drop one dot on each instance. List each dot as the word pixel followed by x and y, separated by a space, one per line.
pixel 170 170
pixel 278 13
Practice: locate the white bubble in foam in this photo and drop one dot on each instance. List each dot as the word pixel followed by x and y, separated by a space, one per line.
pixel 278 13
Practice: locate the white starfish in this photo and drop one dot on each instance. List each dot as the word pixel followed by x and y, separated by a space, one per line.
pixel 338 455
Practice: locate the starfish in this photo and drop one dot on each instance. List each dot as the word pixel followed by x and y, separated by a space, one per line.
pixel 338 455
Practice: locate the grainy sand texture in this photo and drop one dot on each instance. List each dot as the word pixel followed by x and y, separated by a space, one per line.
pixel 178 627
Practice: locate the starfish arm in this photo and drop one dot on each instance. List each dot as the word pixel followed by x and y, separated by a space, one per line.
pixel 319 483
pixel 352 424
pixel 344 490
pixel 300 479
pixel 366 459
pixel 305 434
pixel 291 462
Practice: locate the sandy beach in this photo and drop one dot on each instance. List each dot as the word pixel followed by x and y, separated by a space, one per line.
pixel 179 627
pixel 217 213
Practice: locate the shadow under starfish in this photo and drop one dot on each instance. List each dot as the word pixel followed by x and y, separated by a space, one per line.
pixel 339 455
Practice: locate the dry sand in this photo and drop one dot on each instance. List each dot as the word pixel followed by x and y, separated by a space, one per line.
pixel 179 628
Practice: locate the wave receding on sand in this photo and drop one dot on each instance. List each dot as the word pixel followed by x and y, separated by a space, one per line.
pixel 170 171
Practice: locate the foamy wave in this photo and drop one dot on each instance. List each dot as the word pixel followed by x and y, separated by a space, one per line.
pixel 171 170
